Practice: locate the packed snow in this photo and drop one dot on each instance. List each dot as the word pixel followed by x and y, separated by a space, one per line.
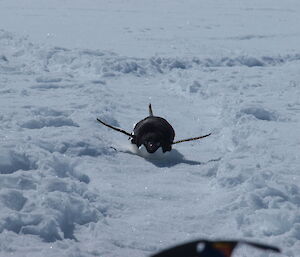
pixel 72 187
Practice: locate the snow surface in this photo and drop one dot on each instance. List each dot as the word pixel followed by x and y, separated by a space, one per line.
pixel 71 187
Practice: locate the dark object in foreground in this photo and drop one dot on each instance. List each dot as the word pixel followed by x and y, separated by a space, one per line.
pixel 153 132
pixel 205 248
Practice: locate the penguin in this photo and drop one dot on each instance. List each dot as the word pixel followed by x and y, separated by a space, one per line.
pixel 152 132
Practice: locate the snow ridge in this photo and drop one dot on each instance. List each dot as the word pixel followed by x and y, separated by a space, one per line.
pixel 32 58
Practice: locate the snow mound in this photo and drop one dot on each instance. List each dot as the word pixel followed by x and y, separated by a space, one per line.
pixel 12 161
pixel 49 122
pixel 23 56
pixel 61 213
pixel 260 113
pixel 49 204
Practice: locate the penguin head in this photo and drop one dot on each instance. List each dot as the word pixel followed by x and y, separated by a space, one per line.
pixel 152 142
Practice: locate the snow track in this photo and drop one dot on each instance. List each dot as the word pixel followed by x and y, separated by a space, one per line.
pixel 65 190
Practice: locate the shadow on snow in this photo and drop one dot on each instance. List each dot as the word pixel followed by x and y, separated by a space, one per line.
pixel 161 160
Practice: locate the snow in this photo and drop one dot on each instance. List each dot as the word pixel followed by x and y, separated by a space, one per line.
pixel 72 187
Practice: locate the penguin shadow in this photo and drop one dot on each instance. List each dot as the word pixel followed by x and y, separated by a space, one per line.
pixel 171 159
pixel 164 160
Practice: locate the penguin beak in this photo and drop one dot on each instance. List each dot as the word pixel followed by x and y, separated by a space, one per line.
pixel 152 146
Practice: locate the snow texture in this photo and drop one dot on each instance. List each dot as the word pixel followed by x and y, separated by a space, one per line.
pixel 72 187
